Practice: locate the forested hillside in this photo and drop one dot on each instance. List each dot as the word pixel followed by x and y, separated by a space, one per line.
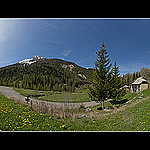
pixel 129 78
pixel 49 74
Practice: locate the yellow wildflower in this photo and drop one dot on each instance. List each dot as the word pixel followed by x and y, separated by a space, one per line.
pixel 63 125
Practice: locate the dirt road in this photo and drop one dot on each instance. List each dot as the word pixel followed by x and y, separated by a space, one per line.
pixel 12 94
pixel 56 107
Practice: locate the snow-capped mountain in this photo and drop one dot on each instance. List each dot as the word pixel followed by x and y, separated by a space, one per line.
pixel 32 60
pixel 36 58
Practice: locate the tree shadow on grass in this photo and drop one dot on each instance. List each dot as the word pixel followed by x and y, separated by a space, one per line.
pixel 121 101
pixel 100 108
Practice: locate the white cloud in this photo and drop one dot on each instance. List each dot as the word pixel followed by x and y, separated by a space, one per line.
pixel 66 52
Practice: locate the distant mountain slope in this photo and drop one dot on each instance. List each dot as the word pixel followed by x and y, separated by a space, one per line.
pixel 45 74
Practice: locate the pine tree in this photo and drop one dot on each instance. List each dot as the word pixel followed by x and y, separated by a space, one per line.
pixel 1 81
pixel 55 87
pixel 133 76
pixel 27 86
pixel 117 89
pixel 100 88
pixel 137 75
pixel 39 87
pixel 128 80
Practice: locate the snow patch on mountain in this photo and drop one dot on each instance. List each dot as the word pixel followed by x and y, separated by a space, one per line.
pixel 32 60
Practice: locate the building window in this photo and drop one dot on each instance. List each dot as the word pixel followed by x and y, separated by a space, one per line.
pixel 134 87
pixel 138 87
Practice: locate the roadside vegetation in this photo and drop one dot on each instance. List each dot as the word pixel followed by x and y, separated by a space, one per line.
pixel 135 117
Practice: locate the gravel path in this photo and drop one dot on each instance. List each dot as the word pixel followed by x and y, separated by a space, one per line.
pixel 56 107
pixel 12 94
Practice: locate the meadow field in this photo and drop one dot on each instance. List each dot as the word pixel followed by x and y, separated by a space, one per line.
pixel 53 96
pixel 16 117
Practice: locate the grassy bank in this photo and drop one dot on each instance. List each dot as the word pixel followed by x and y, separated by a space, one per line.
pixel 15 117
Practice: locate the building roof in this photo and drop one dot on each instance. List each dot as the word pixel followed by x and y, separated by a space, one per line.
pixel 125 86
pixel 139 80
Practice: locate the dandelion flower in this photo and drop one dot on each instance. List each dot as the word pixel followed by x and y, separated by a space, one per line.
pixel 63 125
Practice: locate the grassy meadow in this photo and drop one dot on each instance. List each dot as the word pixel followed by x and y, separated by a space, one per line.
pixel 16 117
pixel 52 96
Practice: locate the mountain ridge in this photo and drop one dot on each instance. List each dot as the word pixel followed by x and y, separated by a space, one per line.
pixel 45 74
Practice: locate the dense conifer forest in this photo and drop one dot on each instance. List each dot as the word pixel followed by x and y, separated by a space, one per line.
pixel 49 74
pixel 55 75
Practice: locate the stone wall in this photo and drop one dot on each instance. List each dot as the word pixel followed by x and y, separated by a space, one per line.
pixel 144 87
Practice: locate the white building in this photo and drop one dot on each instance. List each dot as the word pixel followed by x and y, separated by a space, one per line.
pixel 139 85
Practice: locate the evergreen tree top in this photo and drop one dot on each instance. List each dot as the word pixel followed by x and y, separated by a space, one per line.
pixel 100 89
pixel 115 70
pixel 103 61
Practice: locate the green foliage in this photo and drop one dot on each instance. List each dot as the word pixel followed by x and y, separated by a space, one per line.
pixel 117 89
pixel 106 83
pixel 100 88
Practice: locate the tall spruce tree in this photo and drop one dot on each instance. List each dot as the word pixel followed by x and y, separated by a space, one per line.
pixel 117 89
pixel 100 88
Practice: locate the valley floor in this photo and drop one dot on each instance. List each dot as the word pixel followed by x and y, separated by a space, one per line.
pixel 12 94
pixel 135 116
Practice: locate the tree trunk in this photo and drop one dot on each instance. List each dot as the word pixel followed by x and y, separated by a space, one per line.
pixel 102 102
pixel 114 101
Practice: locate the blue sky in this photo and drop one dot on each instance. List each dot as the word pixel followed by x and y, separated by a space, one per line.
pixel 77 40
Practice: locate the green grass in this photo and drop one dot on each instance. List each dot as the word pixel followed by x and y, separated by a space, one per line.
pixel 136 118
pixel 57 96
pixel 15 117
